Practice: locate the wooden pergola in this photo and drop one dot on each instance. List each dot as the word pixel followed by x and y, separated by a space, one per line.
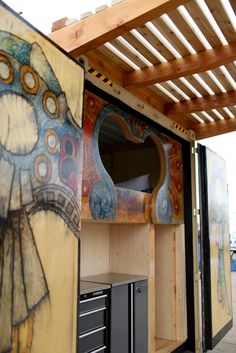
pixel 177 56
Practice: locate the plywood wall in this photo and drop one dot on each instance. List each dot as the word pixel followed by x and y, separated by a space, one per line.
pixel 95 249
pixel 121 248
pixel 170 283
pixel 129 248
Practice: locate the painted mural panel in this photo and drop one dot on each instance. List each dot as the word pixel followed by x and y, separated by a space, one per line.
pixel 221 301
pixel 40 181
pixel 102 200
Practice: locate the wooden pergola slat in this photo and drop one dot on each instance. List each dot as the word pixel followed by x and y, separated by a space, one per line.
pixel 191 64
pixel 93 31
pixel 212 129
pixel 201 104
pixel 87 36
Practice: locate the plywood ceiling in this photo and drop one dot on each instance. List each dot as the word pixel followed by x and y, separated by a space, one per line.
pixel 178 56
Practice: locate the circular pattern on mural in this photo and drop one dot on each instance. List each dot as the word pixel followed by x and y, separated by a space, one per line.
pixel 29 79
pixel 52 141
pixel 6 70
pixel 19 130
pixel 51 105
pixel 68 167
pixel 69 149
pixel 42 168
pixel 102 201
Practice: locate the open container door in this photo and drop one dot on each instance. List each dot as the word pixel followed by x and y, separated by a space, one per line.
pixel 215 248
pixel 41 155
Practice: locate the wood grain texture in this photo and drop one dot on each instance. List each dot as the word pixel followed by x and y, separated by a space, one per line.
pixel 165 282
pixel 89 33
pixel 95 250
pixel 100 62
pixel 222 19
pixel 132 250
pixel 97 60
pixel 65 21
pixel 153 251
pixel 200 104
pixel 181 310
pixel 170 284
pixel 146 94
pixel 195 63
pixel 167 346
pixel 151 289
pixel 212 129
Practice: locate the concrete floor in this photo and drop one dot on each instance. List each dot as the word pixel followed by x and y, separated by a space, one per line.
pixel 228 343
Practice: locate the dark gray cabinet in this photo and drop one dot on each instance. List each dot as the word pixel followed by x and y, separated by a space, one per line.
pixel 129 318
pixel 120 319
pixel 127 312
pixel 140 317
pixel 93 319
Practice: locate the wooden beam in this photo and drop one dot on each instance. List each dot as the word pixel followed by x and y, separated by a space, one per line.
pixel 183 120
pixel 63 22
pixel 214 129
pixel 95 30
pixel 201 104
pixel 99 61
pixel 149 97
pixel 201 62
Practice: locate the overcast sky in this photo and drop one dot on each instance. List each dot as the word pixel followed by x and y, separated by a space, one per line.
pixel 43 13
pixel 225 146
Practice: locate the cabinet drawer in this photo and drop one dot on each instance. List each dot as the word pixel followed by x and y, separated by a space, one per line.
pixel 92 303
pixel 92 341
pixel 92 319
pixel 100 350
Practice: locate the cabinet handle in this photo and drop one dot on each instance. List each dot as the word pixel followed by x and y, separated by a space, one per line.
pixel 92 332
pixel 92 299
pixel 92 311
pixel 99 349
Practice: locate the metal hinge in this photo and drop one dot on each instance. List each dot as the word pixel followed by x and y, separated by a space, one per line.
pixel 195 150
pixel 196 212
pixel 197 276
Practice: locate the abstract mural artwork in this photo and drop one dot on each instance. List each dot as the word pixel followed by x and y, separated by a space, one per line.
pixel 169 204
pixel 105 201
pixel 219 241
pixel 40 169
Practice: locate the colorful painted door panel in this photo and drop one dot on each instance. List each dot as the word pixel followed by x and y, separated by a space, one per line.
pixel 216 247
pixel 40 170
